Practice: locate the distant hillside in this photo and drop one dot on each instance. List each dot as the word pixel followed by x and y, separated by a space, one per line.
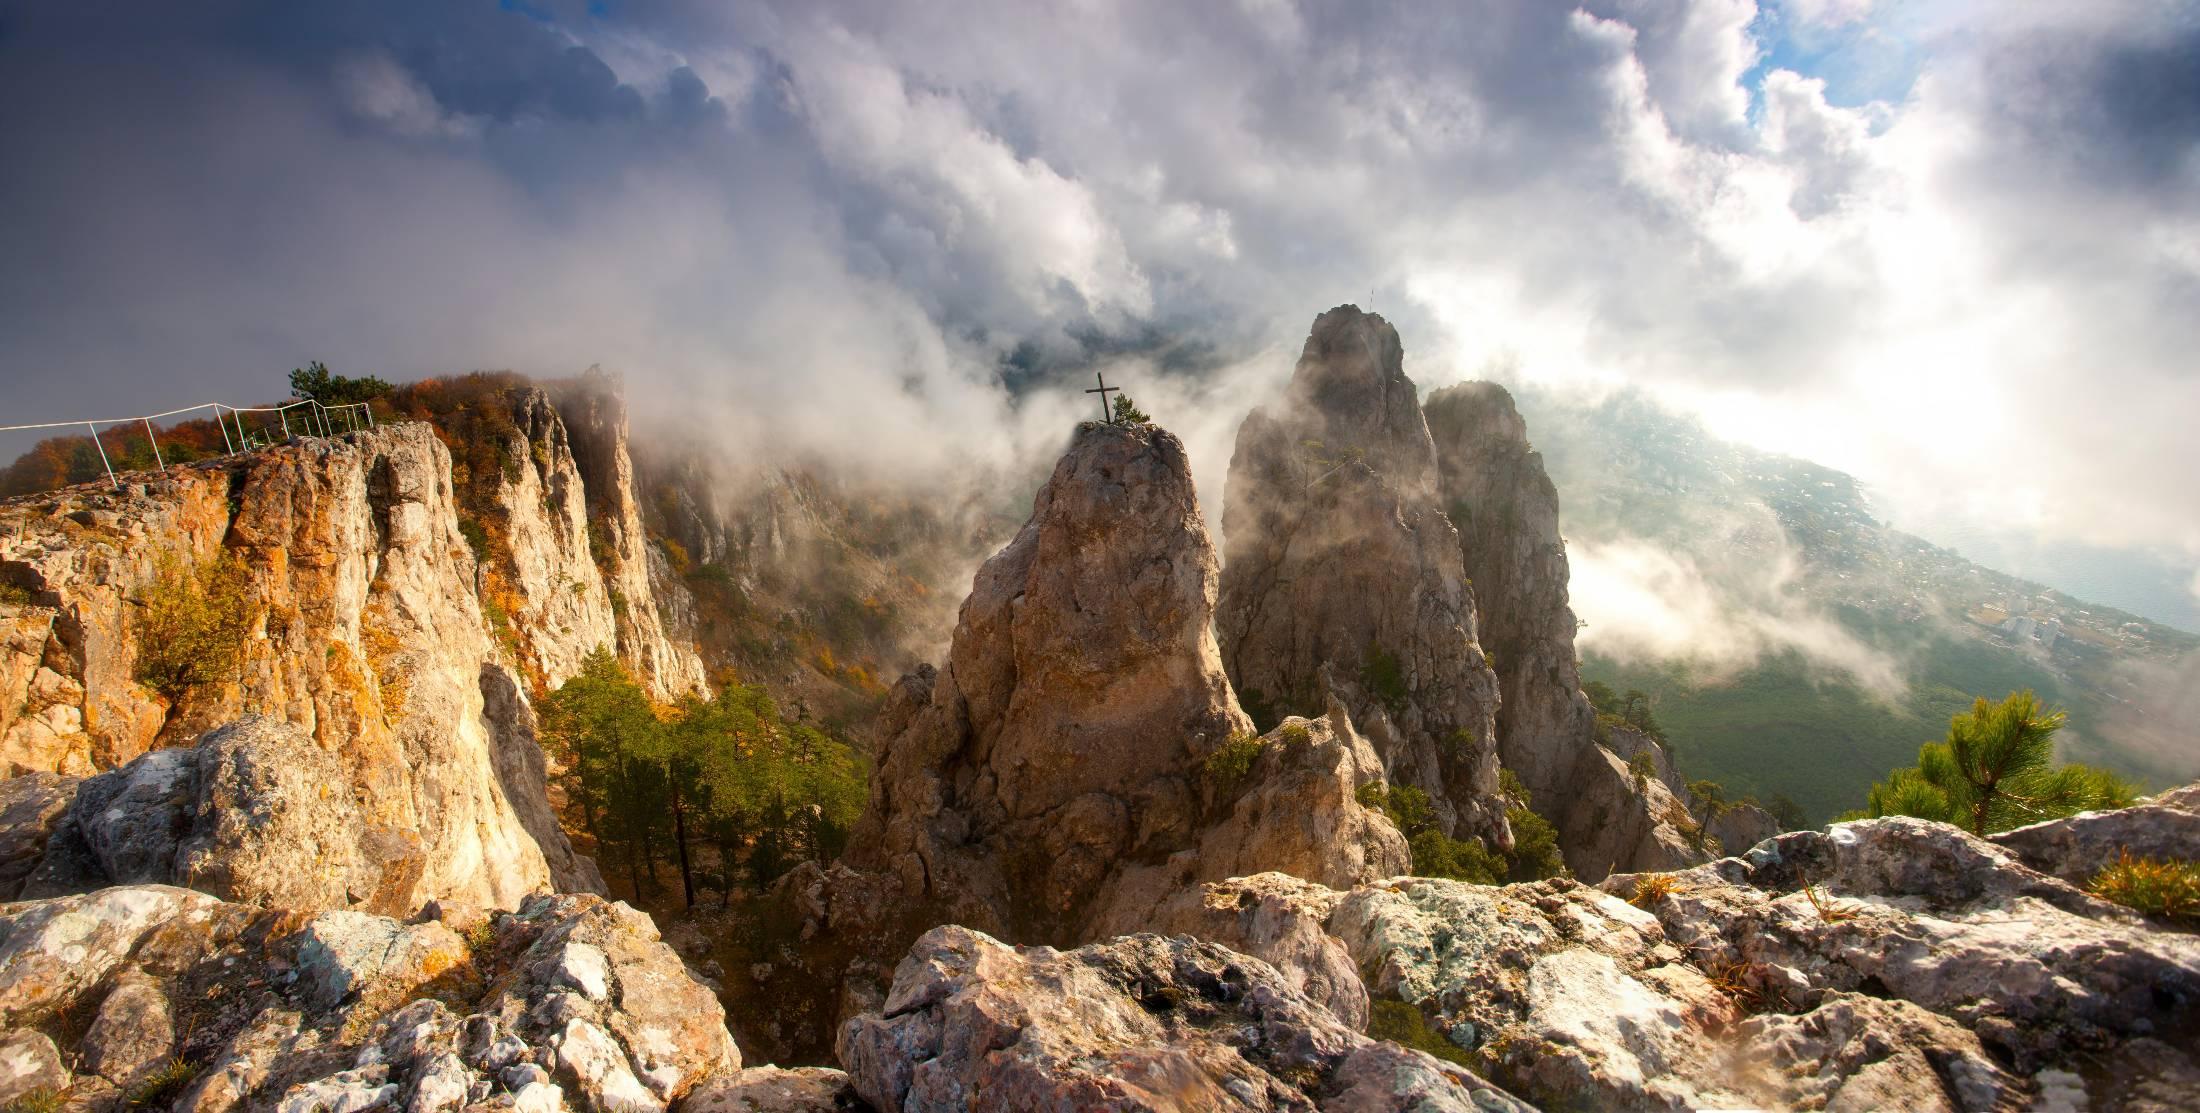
pixel 1789 542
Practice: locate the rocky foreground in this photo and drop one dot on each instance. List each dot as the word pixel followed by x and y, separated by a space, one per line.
pixel 1881 964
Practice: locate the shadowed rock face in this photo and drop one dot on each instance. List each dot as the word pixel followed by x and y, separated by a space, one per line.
pixel 1066 737
pixel 1343 575
pixel 1506 511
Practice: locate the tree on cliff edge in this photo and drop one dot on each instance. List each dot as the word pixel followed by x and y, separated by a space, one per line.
pixel 314 381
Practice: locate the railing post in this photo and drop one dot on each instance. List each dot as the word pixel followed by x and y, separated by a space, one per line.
pixel 149 439
pixel 227 447
pixel 103 456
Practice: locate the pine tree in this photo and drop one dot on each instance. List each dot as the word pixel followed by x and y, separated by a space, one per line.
pixel 1996 770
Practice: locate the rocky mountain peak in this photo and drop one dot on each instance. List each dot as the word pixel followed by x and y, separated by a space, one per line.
pixel 1083 686
pixel 1496 492
pixel 1343 577
pixel 1350 392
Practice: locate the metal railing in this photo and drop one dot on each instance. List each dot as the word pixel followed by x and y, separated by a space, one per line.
pixel 315 420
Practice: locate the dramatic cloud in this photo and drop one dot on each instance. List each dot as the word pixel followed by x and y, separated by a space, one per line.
pixel 1951 248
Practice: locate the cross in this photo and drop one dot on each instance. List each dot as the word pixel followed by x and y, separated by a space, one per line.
pixel 1103 390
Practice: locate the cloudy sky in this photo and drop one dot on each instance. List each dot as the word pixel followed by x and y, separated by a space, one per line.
pixel 1953 248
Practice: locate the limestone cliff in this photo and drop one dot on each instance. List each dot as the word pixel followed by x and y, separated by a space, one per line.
pixel 1068 738
pixel 1343 576
pixel 641 588
pixel 538 567
pixel 364 631
pixel 1506 511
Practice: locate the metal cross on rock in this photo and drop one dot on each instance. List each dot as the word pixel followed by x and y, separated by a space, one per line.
pixel 1103 390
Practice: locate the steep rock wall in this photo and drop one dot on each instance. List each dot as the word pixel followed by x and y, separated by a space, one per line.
pixel 1506 509
pixel 542 573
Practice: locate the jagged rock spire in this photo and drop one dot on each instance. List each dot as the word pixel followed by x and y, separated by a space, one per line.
pixel 1059 760
pixel 1343 576
pixel 1506 511
pixel 1083 683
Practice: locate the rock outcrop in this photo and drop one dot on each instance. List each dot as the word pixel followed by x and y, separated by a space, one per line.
pixel 1621 812
pixel 1069 736
pixel 192 1003
pixel 1138 1023
pixel 255 813
pixel 1343 576
pixel 2079 848
pixel 594 410
pixel 1506 509
pixel 1294 811
pixel 32 807
pixel 364 630
pixel 1882 964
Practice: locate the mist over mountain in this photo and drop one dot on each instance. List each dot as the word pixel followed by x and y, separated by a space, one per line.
pixel 1800 645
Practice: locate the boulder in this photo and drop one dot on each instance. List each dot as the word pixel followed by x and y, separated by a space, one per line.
pixel 1735 828
pixel 2077 849
pixel 30 1064
pixel 1343 578
pixel 32 807
pixel 773 1090
pixel 255 813
pixel 1137 1023
pixel 1881 964
pixel 1277 918
pixel 571 1002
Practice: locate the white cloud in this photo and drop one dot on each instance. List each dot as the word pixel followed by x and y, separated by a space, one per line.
pixel 377 88
pixel 1829 13
pixel 1641 601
